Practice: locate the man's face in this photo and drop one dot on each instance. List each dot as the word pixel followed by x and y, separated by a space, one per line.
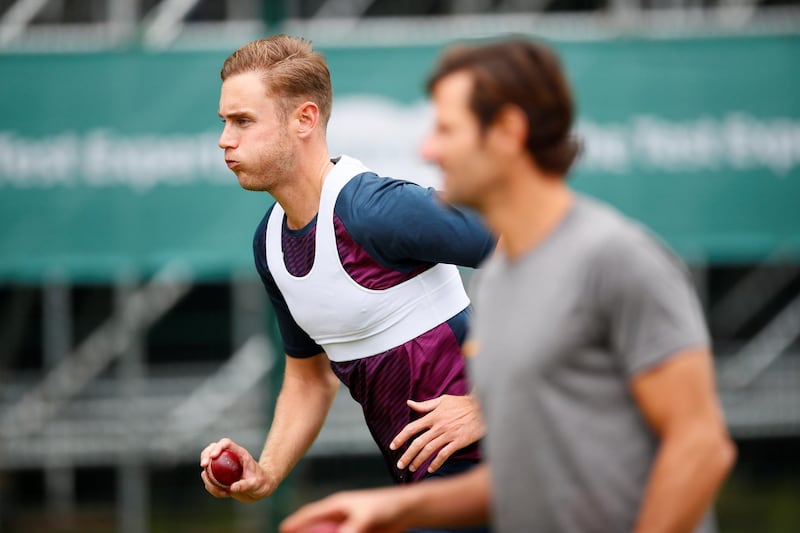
pixel 258 148
pixel 457 144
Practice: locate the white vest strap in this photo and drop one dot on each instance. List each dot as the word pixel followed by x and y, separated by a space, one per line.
pixel 350 321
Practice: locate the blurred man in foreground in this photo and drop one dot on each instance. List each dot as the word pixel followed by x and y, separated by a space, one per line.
pixel 594 371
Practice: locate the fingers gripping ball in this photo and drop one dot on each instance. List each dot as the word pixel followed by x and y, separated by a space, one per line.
pixel 225 469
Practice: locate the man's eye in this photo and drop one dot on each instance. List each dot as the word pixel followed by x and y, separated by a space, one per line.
pixel 237 121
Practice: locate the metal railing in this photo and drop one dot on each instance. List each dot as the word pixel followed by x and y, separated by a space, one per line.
pixel 168 24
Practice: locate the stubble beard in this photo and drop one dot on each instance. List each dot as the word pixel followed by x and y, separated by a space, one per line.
pixel 465 191
pixel 276 166
pixel 453 192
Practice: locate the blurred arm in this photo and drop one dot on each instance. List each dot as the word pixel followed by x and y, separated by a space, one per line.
pixel 679 401
pixel 376 214
pixel 461 500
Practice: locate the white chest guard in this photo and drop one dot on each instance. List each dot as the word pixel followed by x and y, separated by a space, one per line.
pixel 350 321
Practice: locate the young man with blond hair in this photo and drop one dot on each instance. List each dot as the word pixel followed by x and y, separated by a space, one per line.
pixel 361 272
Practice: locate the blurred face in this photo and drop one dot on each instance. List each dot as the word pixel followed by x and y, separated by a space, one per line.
pixel 258 148
pixel 457 144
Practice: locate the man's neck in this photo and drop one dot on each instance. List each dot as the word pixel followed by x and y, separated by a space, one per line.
pixel 527 213
pixel 299 196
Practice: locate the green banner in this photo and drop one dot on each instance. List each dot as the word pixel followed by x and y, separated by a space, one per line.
pixel 109 161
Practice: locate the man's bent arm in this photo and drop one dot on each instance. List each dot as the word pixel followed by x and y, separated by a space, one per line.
pixel 309 387
pixel 456 501
pixel 678 398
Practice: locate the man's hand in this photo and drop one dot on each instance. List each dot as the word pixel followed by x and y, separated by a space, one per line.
pixel 457 501
pixel 255 483
pixel 368 511
pixel 451 423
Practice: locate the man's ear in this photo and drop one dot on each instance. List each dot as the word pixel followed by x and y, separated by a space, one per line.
pixel 306 117
pixel 510 128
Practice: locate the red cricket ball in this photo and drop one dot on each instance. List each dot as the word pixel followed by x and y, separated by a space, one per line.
pixel 226 469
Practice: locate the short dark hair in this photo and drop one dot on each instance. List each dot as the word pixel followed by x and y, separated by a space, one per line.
pixel 525 74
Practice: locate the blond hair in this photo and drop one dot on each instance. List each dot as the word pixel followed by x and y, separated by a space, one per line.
pixel 290 69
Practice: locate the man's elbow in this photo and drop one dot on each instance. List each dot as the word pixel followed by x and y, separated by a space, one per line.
pixel 727 454
pixel 720 453
pixel 332 385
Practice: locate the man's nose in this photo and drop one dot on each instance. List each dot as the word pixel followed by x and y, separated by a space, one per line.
pixel 427 149
pixel 226 140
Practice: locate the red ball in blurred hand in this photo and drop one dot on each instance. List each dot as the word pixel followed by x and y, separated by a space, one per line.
pixel 226 469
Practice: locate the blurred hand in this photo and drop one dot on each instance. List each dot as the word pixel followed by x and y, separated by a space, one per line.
pixel 255 483
pixel 368 511
pixel 451 423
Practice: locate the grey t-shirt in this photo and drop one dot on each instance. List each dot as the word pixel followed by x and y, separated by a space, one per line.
pixel 562 330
